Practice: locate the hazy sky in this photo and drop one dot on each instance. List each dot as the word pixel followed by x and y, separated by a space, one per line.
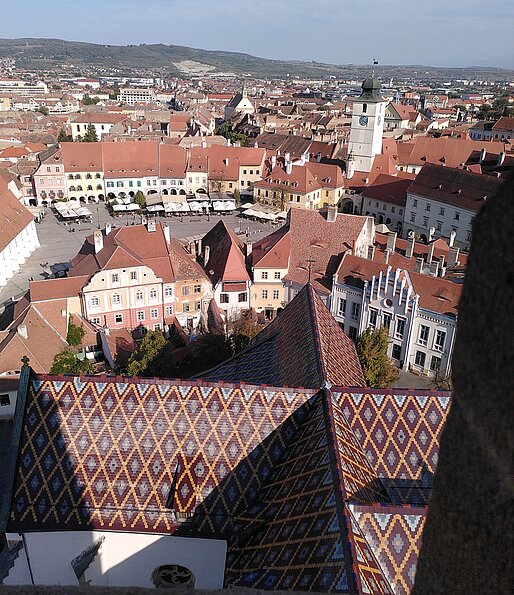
pixel 433 32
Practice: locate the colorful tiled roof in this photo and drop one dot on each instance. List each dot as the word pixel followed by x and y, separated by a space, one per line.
pixel 303 346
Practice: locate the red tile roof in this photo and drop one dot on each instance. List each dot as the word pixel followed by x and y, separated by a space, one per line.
pixel 226 255
pixel 14 217
pixel 389 189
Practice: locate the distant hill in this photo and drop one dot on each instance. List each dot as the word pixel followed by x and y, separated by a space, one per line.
pixel 80 58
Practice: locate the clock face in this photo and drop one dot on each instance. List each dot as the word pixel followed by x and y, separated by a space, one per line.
pixel 363 120
pixel 379 120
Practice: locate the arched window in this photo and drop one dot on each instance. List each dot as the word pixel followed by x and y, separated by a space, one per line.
pixel 364 108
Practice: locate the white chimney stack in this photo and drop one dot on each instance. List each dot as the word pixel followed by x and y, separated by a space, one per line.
pixel 410 247
pixel 151 225
pixel 419 264
pixel 501 159
pixel 108 229
pixel 453 233
pixel 430 254
pixel 167 235
pixel 331 214
pixel 391 241
pixel 483 153
pixel 22 331
pixel 431 233
pixel 99 241
pixel 453 257
pixel 206 255
pixel 387 253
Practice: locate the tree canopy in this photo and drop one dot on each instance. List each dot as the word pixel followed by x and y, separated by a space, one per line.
pixel 75 333
pixel 139 198
pixel 379 370
pixel 67 363
pixel 63 137
pixel 90 136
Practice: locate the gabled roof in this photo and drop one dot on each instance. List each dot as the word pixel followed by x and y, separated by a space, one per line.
pixel 303 346
pixel 14 217
pixel 386 188
pixel 226 258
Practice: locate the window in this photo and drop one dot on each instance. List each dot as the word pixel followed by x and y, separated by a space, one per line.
pixel 94 302
pixel 48 169
pixel 157 327
pixel 386 321
pixel 276 294
pixel 139 296
pixel 154 313
pixel 140 315
pixel 242 297
pixel 373 314
pixel 168 291
pixel 198 289
pixel 95 320
pixel 185 290
pixel 115 278
pixel 414 203
pixel 133 275
pixel 352 333
pixel 169 310
pixel 425 221
pixel 119 184
pixel 341 306
pixel 427 208
pixel 456 216
pixel 400 328
pixel 441 211
pixel 439 225
pixel 264 294
pixel 420 359
pixel 116 299
pixel 138 183
pixel 397 352
pixel 118 318
pixel 198 305
pixel 5 400
pixel 224 298
pixel 413 217
pixel 435 363
pixel 423 335
pixel 468 236
pixel 355 310
pixel 440 337
pixel 185 307
pixel 364 108
pixel 153 294
pixel 264 275
pixel 277 275
pixel 110 184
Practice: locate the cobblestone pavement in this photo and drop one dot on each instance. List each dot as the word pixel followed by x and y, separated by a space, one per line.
pixel 59 244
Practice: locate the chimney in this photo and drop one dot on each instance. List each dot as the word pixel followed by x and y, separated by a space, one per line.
pixel 387 253
pixel 410 247
pixel 248 249
pixel 289 167
pixel 442 267
pixel 225 160
pixel 434 268
pixel 204 143
pixel 331 213
pixel 199 246
pixel 430 254
pixel 273 161
pixel 108 228
pixel 483 153
pixel 150 225
pixel 391 241
pixel 206 255
pixel 419 264
pixel 453 233
pixel 22 331
pixel 99 241
pixel 431 233
pixel 318 157
pixel 167 235
pixel 453 257
pixel 192 249
pixel 501 159
pixel 371 252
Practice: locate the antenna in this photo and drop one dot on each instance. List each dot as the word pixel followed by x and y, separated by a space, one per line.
pixel 311 261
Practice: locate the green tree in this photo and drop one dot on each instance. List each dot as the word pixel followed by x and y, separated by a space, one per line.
pixel 115 92
pixel 237 196
pixel 63 137
pixel 75 334
pixel 280 197
pixel 42 109
pixel 139 199
pixel 67 363
pixel 87 100
pixel 90 136
pixel 379 371
pixel 148 351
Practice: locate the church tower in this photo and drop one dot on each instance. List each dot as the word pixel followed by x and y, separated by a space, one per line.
pixel 367 125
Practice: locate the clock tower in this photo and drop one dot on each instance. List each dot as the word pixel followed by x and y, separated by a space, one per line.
pixel 367 125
